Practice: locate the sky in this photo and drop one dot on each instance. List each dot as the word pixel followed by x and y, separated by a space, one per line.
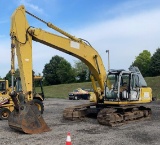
pixel 124 27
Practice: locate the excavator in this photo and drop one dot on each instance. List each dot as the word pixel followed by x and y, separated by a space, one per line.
pixel 120 95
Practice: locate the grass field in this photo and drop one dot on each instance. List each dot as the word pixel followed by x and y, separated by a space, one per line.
pixel 61 91
pixel 154 83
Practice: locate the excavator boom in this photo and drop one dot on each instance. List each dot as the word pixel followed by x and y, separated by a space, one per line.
pixel 21 40
pixel 26 117
pixel 22 35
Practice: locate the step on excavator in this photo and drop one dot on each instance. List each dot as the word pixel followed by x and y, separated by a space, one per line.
pixel 119 96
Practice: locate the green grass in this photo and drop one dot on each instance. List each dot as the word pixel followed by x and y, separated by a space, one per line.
pixel 154 83
pixel 61 91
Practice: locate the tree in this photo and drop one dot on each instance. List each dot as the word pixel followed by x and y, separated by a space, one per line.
pixel 155 64
pixel 82 71
pixel 58 71
pixel 143 62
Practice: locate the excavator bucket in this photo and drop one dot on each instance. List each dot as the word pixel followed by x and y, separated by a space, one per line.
pixel 27 119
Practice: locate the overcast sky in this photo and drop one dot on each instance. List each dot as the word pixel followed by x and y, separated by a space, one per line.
pixel 125 27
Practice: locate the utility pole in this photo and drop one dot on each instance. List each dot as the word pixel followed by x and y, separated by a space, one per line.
pixel 107 51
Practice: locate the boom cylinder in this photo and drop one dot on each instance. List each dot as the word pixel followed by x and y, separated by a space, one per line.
pixel 56 28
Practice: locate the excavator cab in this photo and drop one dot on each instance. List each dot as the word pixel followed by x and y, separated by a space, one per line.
pixel 126 86
pixel 120 85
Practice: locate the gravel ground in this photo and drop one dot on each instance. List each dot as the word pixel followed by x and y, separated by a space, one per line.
pixel 88 132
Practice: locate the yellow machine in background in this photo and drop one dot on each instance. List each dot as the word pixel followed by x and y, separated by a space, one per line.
pixel 6 103
pixel 114 104
pixel 38 97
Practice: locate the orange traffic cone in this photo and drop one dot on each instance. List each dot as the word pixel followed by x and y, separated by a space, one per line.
pixel 68 140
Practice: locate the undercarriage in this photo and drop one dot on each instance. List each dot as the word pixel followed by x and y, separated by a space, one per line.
pixel 108 115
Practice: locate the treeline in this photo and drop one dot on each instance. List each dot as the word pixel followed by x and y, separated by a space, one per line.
pixel 147 64
pixel 60 71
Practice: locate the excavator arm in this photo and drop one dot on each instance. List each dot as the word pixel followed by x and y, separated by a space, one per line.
pixel 22 35
pixel 21 40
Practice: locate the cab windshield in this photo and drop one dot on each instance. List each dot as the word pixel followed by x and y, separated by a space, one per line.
pixel 116 84
pixel 113 81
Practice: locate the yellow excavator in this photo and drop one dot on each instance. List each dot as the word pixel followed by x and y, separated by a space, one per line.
pixel 119 95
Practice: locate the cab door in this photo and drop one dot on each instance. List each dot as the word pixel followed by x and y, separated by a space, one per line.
pixel 134 87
